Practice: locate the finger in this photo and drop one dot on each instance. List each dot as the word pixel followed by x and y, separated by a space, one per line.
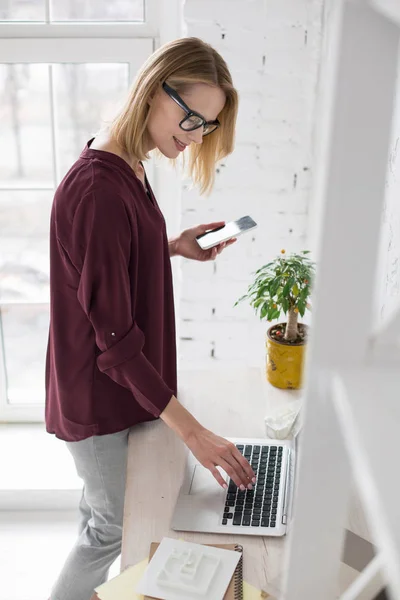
pixel 235 472
pixel 207 226
pixel 214 253
pixel 232 241
pixel 218 477
pixel 243 467
pixel 233 457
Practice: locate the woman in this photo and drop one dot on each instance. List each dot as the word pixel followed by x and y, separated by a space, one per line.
pixel 111 359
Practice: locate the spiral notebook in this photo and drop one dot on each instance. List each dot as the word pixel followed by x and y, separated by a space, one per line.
pixel 235 588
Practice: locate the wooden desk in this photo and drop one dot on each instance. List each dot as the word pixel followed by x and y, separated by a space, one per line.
pixel 231 403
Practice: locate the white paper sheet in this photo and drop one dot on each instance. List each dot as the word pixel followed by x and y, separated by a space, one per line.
pixel 180 570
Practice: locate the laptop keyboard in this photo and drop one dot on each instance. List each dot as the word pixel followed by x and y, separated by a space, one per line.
pixel 257 507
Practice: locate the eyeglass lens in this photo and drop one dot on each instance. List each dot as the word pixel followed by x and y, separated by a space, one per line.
pixel 194 122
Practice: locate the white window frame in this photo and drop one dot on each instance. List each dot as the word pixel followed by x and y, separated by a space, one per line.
pixel 54 43
pixel 46 29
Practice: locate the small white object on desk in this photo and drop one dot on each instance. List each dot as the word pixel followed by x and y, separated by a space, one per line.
pixel 281 425
pixel 180 570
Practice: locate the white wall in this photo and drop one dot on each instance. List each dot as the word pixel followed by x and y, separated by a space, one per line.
pixel 272 49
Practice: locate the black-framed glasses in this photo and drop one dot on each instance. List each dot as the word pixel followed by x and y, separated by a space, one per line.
pixel 193 120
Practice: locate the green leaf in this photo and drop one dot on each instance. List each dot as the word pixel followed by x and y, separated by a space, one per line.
pixel 275 286
pixel 261 291
pixel 288 286
pixel 258 302
pixel 240 300
pixel 302 307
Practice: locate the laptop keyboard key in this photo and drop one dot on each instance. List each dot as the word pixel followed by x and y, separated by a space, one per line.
pixel 264 522
pixel 224 521
pixel 237 519
pixel 246 520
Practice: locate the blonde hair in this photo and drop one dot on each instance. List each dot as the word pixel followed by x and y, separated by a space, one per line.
pixel 180 63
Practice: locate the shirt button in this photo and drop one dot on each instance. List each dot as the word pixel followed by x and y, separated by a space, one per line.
pixel 113 334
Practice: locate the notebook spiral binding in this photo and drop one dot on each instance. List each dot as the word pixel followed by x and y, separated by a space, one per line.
pixel 239 575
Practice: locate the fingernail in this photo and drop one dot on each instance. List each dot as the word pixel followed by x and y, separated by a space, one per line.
pixel 249 487
pixel 254 480
pixel 225 486
pixel 242 488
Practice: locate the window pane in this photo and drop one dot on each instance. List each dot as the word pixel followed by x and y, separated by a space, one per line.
pixel 87 96
pixel 25 125
pixel 24 246
pixel 97 10
pixel 25 331
pixel 22 10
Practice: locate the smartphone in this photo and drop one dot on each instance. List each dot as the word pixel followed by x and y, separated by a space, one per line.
pixel 225 233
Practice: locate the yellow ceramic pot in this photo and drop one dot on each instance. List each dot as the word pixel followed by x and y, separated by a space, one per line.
pixel 285 363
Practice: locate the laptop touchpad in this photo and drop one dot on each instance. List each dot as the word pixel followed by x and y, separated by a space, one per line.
pixel 203 482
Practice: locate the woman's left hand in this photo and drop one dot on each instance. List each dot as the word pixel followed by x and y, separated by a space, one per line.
pixel 186 245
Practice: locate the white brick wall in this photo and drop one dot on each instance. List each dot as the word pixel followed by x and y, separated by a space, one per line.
pixel 272 48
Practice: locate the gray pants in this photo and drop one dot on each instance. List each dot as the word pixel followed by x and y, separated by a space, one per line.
pixel 101 463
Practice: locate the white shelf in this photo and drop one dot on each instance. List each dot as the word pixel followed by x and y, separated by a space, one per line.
pixel 368 408
pixel 350 429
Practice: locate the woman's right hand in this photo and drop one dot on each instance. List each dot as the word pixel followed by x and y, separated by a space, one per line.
pixel 213 451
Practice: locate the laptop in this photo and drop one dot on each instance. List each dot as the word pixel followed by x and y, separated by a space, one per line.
pixel 202 505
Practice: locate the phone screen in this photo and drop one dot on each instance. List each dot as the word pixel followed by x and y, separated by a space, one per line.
pixel 230 230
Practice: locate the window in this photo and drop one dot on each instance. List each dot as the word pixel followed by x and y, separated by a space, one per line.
pixel 65 66
pixel 53 11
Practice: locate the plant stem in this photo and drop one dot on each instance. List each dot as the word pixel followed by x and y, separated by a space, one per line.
pixel 291 326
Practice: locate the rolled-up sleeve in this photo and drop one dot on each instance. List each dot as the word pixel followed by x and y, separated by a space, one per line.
pixel 101 249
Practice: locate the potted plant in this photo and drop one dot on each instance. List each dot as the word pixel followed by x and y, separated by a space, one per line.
pixel 283 285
